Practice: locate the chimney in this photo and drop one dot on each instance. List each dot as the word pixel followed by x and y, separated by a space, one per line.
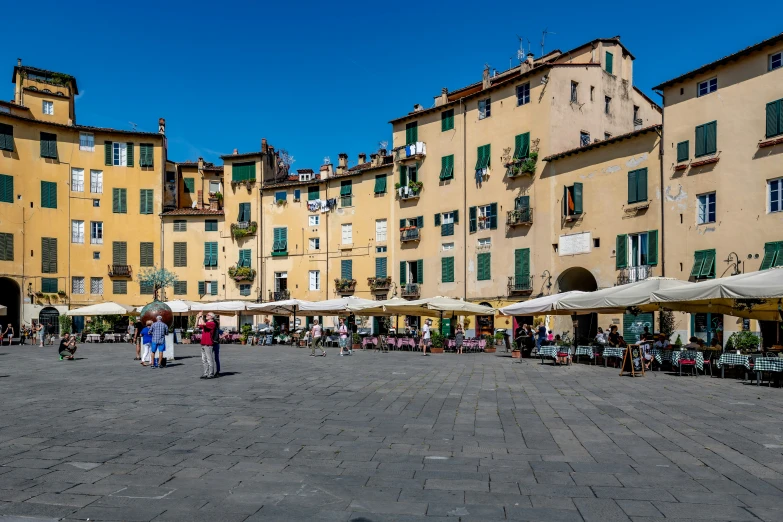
pixel 485 78
pixel 236 151
pixel 374 160
pixel 342 162
pixel 162 126
pixel 264 145
pixel 201 165
pixel 19 62
pixel 325 171
pixel 362 158
pixel 417 107
pixel 382 152
pixel 443 98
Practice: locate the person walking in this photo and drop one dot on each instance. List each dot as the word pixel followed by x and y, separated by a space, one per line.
pixel 541 337
pixel 39 331
pixel 316 339
pixel 8 334
pixel 459 337
pixel 159 330
pixel 216 344
pixel 207 346
pixel 145 338
pixel 343 331
pixel 135 337
pixel 425 337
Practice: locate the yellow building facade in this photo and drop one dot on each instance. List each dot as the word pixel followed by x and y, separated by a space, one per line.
pixel 79 206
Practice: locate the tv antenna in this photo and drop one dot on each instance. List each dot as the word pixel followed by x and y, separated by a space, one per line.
pixel 133 125
pixel 543 39
pixel 521 55
pixel 383 144
pixel 327 160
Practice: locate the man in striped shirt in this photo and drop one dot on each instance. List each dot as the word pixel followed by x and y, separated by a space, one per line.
pixel 158 330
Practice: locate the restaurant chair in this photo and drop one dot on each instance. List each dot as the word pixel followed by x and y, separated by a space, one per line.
pixel 689 363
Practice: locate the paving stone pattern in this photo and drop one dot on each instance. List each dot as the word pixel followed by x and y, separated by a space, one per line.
pixel 378 437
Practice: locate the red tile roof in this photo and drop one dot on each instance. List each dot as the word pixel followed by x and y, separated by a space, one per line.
pixel 82 127
pixel 595 145
pixel 193 212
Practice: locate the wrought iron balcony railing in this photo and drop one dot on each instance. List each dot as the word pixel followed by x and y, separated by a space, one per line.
pixel 411 290
pixel 410 234
pixel 120 271
pixel 633 274
pixel 520 216
pixel 520 285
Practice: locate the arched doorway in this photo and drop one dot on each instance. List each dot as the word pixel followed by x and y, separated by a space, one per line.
pixel 485 324
pixel 11 298
pixel 578 278
pixel 50 318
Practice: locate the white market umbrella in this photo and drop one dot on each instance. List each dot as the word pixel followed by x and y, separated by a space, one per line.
pixel 547 304
pixel 178 306
pixel 376 307
pixel 107 308
pixel 287 306
pixel 220 306
pixel 756 295
pixel 435 306
pixel 617 298
pixel 332 306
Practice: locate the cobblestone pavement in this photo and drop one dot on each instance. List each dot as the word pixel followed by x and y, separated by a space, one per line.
pixel 378 437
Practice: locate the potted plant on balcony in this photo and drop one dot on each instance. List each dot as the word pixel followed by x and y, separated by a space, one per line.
pixel 241 273
pixel 415 186
pixel 239 232
pixel 344 285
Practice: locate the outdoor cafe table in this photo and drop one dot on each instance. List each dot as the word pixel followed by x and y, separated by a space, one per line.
pixel 661 355
pixel 767 364
pixel 585 350
pixel 732 359
pixel 547 351
pixel 688 354
pixel 613 352
pixel 369 340
pixel 93 338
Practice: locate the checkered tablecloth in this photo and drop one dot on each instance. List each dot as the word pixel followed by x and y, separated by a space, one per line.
pixel 768 364
pixel 585 350
pixel 661 355
pixel 688 354
pixel 733 359
pixel 548 351
pixel 614 352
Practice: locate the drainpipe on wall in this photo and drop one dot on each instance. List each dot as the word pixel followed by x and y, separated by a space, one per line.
pixel 662 246
pixel 465 215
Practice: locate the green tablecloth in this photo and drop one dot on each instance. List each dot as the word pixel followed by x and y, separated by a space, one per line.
pixel 768 364
pixel 733 359
pixel 614 352
pixel 548 351
pixel 585 350
pixel 688 354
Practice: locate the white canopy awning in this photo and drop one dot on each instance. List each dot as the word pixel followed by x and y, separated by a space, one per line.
pixel 435 306
pixel 547 304
pixel 220 306
pixel 107 308
pixel 285 307
pixel 332 306
pixel 756 295
pixel 178 306
pixel 617 298
pixel 376 307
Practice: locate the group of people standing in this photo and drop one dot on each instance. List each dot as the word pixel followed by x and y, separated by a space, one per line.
pixel 150 341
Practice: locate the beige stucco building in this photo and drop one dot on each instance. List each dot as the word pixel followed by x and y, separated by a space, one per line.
pixel 79 205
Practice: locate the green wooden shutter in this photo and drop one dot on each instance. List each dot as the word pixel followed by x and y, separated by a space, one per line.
pixel 6 188
pixel 244 212
pixel 346 269
pixel 120 201
pixel 522 146
pixel 420 222
pixel 420 271
pixel 214 253
pixel 345 188
pixel 711 138
pixel 202 287
pixel 652 247
pixel 402 175
pixel 49 285
pixel 621 251
pixel 403 223
pixel 403 273
pixel 146 198
pixel 493 216
pixel 49 255
pixel 213 287
pixel 522 267
pixel 522 202
pixel 119 250
pixel 632 186
pixel 129 155
pixel 180 254
pixel 773 117
pixel 770 253
pixel 207 254
pixel 447 269
pixel 108 153
pixel 6 137
pixel 48 194
pixel 456 217
pixel 146 255
pixel 472 218
pixel 313 193
pixel 778 255
pixel 700 144
pixel 484 267
pixel 577 198
pixel 609 63
pixel 189 185
pixel 380 267
pixel 380 184
pixel 115 200
pixel 698 263
pixel 682 151
pixel 447 120
pixel 708 270
pixel 637 186
pixel 447 167
pixel 437 219
pixel 411 132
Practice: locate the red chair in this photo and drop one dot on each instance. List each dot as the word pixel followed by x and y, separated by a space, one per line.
pixel 690 363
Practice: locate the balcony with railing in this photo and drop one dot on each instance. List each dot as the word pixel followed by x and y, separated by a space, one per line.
pixel 280 248
pixel 633 274
pixel 280 295
pixel 410 191
pixel 243 228
pixel 120 270
pixel 379 284
pixel 410 291
pixel 344 286
pixel 414 151
pixel 520 285
pixel 519 216
pixel 410 234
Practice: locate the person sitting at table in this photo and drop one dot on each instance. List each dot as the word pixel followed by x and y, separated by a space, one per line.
pixel 646 335
pixel 67 347
pixel 614 338
pixel 662 342
pixel 715 344
pixel 693 344
pixel 600 338
pixel 550 336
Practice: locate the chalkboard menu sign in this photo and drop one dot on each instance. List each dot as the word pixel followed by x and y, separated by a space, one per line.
pixel 632 361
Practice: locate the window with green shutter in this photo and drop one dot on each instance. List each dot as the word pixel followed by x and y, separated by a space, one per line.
pixel 119 250
pixel 447 167
pixel 146 288
pixel 6 137
pixel 346 188
pixel 49 255
pixel 652 247
pixel 609 63
pixel 49 285
pixel 572 200
pixel 637 186
pixel 483 154
pixel 6 246
pixel 403 272
pixel 411 132
pixel 774 119
pixel 180 225
pixel 621 251
pixel 472 218
pixel 244 213
pixel 7 189
pixel 213 287
pixel 280 241
pixel 244 258
pixel 210 225
pixel 380 184
pixel 447 120
pixel 447 269
pixel 522 269
pixel 48 145
pixel 484 272
pixel 706 139
pixel 129 146
pixel 244 290
pixel 346 269
pixel 48 194
pixel 189 185
pixel 202 288
pixel 703 264
pixel 313 193
pixel 108 152
pixel 210 254
pixel 243 171
pixel 297 194
pixel 420 271
pixel 180 254
pixel 180 288
pixel 119 200
pixel 146 154
pixel 773 255
pixel 521 146
pixel 120 287
pixel 380 267
pixel 145 201
pixel 683 152
pixel 146 254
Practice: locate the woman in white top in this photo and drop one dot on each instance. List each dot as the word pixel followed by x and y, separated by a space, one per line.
pixel 425 337
pixel 343 331
pixel 315 338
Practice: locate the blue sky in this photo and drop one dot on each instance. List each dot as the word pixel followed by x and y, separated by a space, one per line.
pixel 319 78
